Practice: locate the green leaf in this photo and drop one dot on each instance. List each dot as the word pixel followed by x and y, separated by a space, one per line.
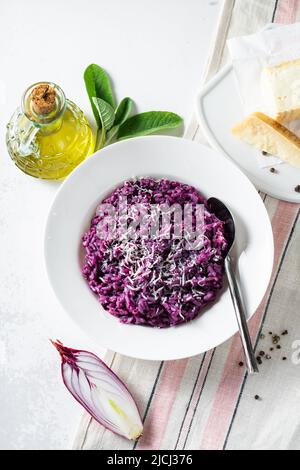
pixel 105 112
pixel 123 110
pixel 100 139
pixel 148 123
pixel 111 134
pixel 98 84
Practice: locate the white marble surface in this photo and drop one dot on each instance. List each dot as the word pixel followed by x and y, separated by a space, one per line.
pixel 155 51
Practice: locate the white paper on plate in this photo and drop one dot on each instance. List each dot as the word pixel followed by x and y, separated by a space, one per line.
pixel 250 54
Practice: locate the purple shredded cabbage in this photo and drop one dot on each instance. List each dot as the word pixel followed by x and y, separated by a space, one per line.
pixel 156 282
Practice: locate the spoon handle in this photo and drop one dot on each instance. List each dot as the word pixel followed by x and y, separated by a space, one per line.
pixel 241 317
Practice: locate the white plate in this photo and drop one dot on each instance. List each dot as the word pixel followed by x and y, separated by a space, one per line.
pixel 181 160
pixel 219 107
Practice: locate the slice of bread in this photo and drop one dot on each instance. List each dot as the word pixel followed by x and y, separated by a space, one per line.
pixel 265 133
pixel 281 89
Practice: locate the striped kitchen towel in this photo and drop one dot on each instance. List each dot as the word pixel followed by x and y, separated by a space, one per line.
pixel 207 402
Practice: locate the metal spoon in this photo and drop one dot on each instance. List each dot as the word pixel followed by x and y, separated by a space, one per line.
pixel 222 212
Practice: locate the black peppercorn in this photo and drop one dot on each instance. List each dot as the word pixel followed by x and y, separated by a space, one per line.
pixel 275 339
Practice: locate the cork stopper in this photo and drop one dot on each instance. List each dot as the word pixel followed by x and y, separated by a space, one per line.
pixel 43 99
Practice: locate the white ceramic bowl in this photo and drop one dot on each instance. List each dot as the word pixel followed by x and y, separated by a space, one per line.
pixel 178 159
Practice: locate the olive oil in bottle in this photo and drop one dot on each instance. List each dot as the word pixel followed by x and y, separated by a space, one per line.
pixel 48 136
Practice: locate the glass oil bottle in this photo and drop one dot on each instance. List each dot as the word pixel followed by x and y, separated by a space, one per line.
pixel 48 136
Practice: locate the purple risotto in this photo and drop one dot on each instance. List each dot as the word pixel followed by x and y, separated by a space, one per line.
pixel 154 254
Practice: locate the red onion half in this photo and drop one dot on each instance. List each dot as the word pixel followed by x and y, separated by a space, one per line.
pixel 97 388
